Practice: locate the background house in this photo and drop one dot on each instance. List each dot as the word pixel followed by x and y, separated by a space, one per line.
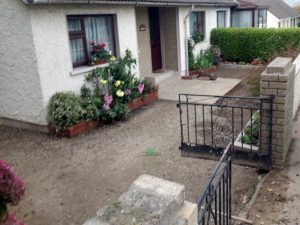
pixel 45 44
pixel 264 14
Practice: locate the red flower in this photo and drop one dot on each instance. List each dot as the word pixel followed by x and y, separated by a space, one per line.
pixel 92 43
pixel 103 45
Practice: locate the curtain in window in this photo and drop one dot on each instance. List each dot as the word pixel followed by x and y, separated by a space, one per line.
pixel 77 50
pixel 221 19
pixel 99 29
pixel 243 18
pixel 262 18
pixel 193 23
pixel 74 25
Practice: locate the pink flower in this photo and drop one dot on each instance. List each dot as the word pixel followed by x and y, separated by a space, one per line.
pixel 106 106
pixel 141 88
pixel 11 219
pixel 103 45
pixel 127 92
pixel 12 188
pixel 92 43
pixel 108 99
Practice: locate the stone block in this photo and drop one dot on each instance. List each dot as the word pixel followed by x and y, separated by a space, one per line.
pixel 279 65
pixel 188 214
pixel 148 201
pixel 278 85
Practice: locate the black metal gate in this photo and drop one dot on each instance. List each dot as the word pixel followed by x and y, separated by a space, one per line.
pixel 214 204
pixel 210 123
pixel 225 127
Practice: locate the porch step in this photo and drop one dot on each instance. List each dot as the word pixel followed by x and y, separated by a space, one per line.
pixel 159 77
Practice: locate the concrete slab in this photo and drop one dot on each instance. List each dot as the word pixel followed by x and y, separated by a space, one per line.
pixel 169 89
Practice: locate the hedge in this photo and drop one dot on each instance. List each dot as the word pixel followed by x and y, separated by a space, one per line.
pixel 247 44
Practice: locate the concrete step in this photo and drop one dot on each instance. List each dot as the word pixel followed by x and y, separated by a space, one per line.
pixel 160 77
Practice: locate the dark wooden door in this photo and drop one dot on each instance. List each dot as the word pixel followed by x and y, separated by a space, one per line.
pixel 155 39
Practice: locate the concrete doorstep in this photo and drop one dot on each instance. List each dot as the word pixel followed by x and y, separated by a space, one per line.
pixel 149 201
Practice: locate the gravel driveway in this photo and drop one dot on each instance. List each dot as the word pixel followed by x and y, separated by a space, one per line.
pixel 68 180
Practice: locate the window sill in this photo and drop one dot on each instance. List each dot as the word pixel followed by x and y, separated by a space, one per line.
pixel 86 69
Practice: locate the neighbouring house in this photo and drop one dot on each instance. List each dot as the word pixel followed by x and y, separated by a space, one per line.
pixel 45 44
pixel 264 14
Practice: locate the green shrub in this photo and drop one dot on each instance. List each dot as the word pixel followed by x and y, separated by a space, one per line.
pixel 64 110
pixel 247 44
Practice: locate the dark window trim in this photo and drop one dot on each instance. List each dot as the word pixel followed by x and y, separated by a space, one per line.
pixel 225 19
pixel 266 22
pixel 82 34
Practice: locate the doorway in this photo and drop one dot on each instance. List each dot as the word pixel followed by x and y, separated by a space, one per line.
pixel 154 23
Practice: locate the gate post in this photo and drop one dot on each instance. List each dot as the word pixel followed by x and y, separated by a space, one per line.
pixel 278 80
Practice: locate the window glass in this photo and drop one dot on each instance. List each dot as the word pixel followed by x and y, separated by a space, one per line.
pixel 77 50
pixel 86 29
pixel 243 18
pixel 197 23
pixel 221 19
pixel 262 18
pixel 74 25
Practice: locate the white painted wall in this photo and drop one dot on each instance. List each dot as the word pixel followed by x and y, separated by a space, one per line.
pixel 211 23
pixel 297 86
pixel 272 21
pixel 51 39
pixel 20 91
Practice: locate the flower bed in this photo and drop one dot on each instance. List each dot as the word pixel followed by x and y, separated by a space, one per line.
pixel 248 139
pixel 77 129
pixel 142 101
pixel 108 95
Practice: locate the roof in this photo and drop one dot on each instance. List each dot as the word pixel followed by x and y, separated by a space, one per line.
pixel 137 2
pixel 278 8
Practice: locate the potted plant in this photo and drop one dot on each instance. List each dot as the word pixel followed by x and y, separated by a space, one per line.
pixel 99 54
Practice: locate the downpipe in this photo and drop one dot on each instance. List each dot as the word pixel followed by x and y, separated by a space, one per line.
pixel 186 40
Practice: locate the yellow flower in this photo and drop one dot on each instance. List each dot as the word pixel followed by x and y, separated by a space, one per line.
pixel 113 58
pixel 117 84
pixel 103 81
pixel 120 93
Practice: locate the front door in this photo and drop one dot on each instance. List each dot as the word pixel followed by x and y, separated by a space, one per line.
pixel 155 39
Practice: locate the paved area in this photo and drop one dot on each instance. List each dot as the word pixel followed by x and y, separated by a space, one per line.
pixel 68 180
pixel 171 87
pixel 290 213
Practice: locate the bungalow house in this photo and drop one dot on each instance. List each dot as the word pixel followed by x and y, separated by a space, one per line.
pixel 264 14
pixel 45 44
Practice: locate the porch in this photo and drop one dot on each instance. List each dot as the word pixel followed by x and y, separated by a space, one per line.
pixel 157 41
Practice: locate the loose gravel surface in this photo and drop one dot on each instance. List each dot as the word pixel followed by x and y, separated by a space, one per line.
pixel 68 180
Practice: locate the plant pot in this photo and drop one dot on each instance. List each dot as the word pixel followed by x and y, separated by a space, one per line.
pixel 212 76
pixel 99 62
pixel 76 129
pixel 140 102
pixel 208 71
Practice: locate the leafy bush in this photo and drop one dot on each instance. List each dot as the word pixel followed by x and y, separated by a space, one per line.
pixel 198 37
pixel 251 133
pixel 64 110
pixel 247 44
pixel 115 86
pixel 12 190
pixel 205 58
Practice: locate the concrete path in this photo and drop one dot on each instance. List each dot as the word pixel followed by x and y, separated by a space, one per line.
pixel 171 87
pixel 290 214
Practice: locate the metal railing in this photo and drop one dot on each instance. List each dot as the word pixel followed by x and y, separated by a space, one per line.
pixel 214 204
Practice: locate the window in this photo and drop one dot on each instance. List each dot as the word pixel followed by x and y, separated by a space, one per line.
pixel 221 19
pixel 83 30
pixel 262 18
pixel 197 23
pixel 242 18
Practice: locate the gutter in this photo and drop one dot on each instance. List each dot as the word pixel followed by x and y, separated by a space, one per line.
pixel 132 2
pixel 186 40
